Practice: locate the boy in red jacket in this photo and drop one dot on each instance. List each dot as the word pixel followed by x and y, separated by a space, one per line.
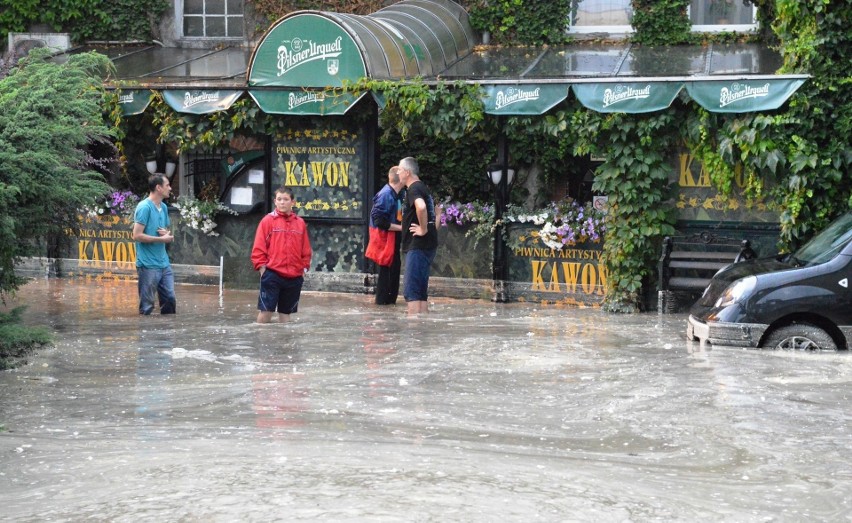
pixel 282 254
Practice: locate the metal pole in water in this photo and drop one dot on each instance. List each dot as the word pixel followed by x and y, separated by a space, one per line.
pixel 221 272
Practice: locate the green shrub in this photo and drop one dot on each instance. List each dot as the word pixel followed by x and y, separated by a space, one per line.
pixel 19 341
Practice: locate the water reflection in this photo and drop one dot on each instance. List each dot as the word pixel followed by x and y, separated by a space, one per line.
pixel 153 368
pixel 280 399
pixel 378 351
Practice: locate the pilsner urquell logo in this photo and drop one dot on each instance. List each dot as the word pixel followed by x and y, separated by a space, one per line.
pixel 297 99
pixel 190 99
pixel 739 92
pixel 513 95
pixel 622 93
pixel 126 98
pixel 301 52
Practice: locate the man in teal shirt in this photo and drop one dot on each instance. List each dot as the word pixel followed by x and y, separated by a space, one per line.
pixel 151 233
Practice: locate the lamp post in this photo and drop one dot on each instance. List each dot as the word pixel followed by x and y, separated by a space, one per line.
pixel 168 166
pixel 501 176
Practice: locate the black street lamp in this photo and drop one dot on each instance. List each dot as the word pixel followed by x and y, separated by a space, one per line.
pixel 169 168
pixel 161 164
pixel 501 176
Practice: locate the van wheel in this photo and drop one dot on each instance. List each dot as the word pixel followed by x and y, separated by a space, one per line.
pixel 800 336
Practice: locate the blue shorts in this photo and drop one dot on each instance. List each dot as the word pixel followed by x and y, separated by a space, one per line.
pixel 417 265
pixel 279 293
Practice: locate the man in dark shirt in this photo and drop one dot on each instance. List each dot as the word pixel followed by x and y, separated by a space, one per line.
pixel 419 236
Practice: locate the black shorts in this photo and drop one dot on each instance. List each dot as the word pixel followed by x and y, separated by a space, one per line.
pixel 279 293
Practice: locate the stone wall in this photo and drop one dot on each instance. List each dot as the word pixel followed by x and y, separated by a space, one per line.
pixel 101 248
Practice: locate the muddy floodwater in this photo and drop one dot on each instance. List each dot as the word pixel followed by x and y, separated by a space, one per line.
pixel 474 412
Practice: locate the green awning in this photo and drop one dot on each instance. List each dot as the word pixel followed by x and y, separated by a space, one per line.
pixel 632 78
pixel 742 96
pixel 306 50
pixel 134 101
pixel 523 99
pixel 645 96
pixel 200 101
pixel 629 97
pixel 304 102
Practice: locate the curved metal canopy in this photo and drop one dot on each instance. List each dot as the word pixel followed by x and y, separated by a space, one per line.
pixel 312 49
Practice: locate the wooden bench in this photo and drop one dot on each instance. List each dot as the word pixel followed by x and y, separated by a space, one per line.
pixel 689 262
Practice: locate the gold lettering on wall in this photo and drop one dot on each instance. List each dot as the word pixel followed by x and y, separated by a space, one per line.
pixel 568 277
pixel 574 254
pixel 103 254
pixel 322 174
pixel 687 177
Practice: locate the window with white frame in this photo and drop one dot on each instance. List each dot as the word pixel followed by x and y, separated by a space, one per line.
pixel 601 16
pixel 722 15
pixel 615 16
pixel 212 18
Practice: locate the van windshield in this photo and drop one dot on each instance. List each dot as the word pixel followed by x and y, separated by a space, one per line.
pixel 825 245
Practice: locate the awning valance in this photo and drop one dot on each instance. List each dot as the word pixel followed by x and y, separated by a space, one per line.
pixel 304 102
pixel 720 96
pixel 134 101
pixel 628 97
pixel 743 96
pixel 649 95
pixel 201 101
pixel 523 99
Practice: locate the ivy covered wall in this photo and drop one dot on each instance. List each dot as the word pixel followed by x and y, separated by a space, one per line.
pixel 84 19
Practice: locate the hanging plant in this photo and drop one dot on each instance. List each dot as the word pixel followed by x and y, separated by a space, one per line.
pixel 116 203
pixel 558 225
pixel 201 214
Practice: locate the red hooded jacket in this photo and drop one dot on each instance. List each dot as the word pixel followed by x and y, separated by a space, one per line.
pixel 282 244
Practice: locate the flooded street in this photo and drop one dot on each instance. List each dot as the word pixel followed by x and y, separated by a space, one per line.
pixel 475 412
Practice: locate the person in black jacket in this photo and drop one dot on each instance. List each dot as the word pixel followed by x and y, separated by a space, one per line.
pixel 386 214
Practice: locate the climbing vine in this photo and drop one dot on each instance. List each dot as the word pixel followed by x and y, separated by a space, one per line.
pixel 453 110
pixel 206 131
pixel 816 138
pixel 513 22
pixel 661 22
pixel 85 19
pixel 272 10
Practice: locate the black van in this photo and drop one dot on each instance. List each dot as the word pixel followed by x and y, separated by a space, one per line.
pixel 795 301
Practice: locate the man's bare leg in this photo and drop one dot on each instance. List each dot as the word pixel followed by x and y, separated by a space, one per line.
pixel 283 318
pixel 416 307
pixel 264 316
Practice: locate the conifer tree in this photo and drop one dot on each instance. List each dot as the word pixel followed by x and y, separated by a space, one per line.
pixel 51 115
